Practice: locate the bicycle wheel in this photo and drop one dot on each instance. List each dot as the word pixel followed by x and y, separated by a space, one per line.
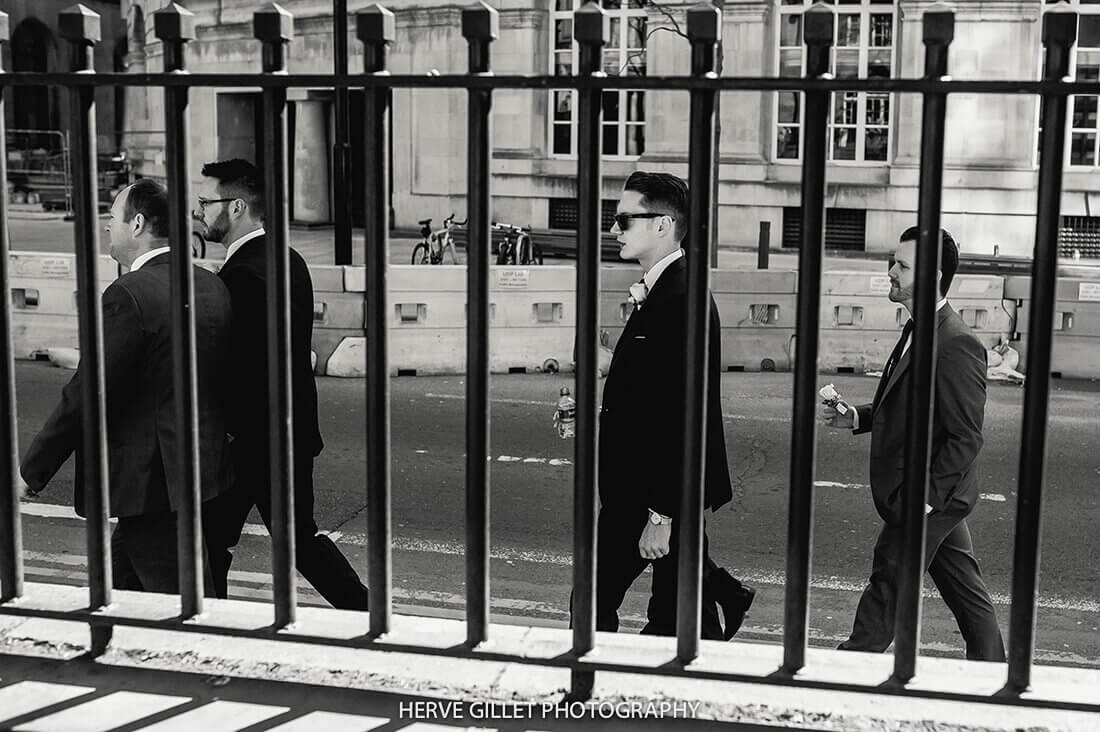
pixel 523 255
pixel 502 253
pixel 421 254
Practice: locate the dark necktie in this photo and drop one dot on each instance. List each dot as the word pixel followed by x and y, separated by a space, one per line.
pixel 899 349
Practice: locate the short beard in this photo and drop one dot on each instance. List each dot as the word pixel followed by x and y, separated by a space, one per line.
pixel 217 231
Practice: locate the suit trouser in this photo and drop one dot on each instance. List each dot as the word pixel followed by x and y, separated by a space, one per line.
pixel 618 564
pixel 949 558
pixel 317 558
pixel 144 555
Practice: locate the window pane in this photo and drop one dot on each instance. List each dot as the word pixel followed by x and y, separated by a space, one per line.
pixel 1088 65
pixel 844 143
pixel 563 34
pixel 1084 112
pixel 790 63
pixel 847 63
pixel 563 106
pixel 635 32
pixel 611 4
pixel 882 30
pixel 563 63
pixel 616 33
pixel 847 30
pixel 878 109
pixel 635 139
pixel 1082 149
pixel 611 62
pixel 564 4
pixel 786 144
pixel 610 106
pixel 636 4
pixel 1088 31
pixel 788 106
pixel 561 140
pixel 635 63
pixel 611 139
pixel 845 108
pixel 635 106
pixel 875 145
pixel 878 64
pixel 790 30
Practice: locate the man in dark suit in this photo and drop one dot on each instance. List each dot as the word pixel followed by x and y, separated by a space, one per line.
pixel 959 410
pixel 231 211
pixel 142 452
pixel 640 461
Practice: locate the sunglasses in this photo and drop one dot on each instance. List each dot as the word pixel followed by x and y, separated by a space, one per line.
pixel 622 220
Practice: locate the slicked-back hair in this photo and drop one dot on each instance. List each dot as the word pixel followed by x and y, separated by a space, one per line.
pixel 949 255
pixel 662 193
pixel 238 178
pixel 150 199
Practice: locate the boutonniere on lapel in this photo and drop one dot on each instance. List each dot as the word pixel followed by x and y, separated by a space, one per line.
pixel 638 293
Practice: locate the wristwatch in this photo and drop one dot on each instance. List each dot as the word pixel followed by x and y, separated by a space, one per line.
pixel 657 519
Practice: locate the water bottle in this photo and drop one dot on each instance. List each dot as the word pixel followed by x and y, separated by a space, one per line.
pixel 565 418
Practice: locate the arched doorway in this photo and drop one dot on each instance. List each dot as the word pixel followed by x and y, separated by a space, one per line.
pixel 33 108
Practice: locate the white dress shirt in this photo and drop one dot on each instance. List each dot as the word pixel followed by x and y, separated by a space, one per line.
pixel 240 242
pixel 142 259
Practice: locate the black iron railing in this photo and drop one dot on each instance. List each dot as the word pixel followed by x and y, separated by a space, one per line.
pixel 175 26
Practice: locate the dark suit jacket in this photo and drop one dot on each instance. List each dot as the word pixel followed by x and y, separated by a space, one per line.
pixel 641 465
pixel 956 427
pixel 143 452
pixel 245 274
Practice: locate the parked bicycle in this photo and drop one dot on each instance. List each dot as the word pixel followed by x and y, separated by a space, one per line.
pixel 433 244
pixel 518 248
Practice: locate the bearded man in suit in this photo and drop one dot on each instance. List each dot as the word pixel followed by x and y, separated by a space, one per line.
pixel 142 443
pixel 958 414
pixel 640 468
pixel 231 212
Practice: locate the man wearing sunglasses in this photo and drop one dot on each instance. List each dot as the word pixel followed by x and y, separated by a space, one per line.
pixel 231 212
pixel 640 459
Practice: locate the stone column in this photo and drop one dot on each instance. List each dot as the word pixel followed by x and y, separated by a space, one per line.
pixel 311 163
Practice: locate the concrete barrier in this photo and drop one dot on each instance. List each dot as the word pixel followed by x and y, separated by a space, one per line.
pixel 757 310
pixel 860 325
pixel 1075 349
pixel 42 288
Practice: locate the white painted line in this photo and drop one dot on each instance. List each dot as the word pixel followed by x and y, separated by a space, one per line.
pixel 494 400
pixel 995 497
pixel 51 510
pixel 831 484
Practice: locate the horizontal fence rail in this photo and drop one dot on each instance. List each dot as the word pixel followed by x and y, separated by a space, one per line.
pixel 273 26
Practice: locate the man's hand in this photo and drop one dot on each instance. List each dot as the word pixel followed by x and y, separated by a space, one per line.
pixel 833 417
pixel 654 541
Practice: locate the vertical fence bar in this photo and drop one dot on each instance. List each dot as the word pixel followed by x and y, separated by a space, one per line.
pixel 591 31
pixel 341 147
pixel 175 26
pixel 939 30
pixel 376 28
pixel 80 27
pixel 274 27
pixel 480 27
pixel 1059 34
pixel 704 29
pixel 11 525
pixel 818 24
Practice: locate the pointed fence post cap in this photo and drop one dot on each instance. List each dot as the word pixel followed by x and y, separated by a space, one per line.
pixel 704 23
pixel 79 23
pixel 818 24
pixel 1059 25
pixel 938 24
pixel 273 23
pixel 480 22
pixel 591 24
pixel 376 25
pixel 174 23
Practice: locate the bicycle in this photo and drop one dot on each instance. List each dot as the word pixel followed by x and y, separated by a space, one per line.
pixel 518 248
pixel 430 249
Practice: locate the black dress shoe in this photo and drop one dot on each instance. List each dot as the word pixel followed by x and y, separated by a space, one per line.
pixel 733 597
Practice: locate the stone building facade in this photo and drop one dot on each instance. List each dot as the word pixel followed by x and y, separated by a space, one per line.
pixel 990 175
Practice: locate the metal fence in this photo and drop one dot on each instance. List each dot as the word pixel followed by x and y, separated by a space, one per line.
pixel 273 26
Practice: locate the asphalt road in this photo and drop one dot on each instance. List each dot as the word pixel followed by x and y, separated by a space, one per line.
pixel 532 506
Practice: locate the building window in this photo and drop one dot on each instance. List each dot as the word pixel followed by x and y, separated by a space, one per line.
pixel 1079 237
pixel 863 48
pixel 564 213
pixel 625 55
pixel 845 228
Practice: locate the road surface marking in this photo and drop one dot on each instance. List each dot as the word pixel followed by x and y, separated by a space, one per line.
pixel 994 497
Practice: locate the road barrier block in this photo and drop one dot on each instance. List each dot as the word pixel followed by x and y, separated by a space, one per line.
pixel 1075 349
pixel 860 325
pixel 757 309
pixel 42 288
